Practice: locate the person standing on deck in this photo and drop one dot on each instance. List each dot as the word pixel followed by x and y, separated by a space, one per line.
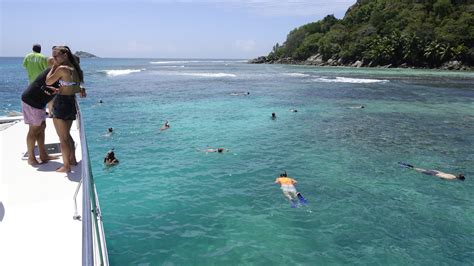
pixel 34 100
pixel 67 72
pixel 35 63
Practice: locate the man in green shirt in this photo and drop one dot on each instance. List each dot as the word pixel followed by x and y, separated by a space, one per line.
pixel 35 63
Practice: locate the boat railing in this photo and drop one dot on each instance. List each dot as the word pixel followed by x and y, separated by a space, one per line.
pixel 94 247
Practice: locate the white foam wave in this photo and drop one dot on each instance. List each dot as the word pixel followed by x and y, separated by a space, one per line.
pixel 296 75
pixel 350 80
pixel 210 75
pixel 119 72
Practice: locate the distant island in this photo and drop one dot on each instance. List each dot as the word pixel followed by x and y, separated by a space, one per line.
pixel 83 54
pixel 385 33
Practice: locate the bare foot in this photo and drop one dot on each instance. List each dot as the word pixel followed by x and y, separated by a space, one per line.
pixel 48 158
pixel 33 161
pixel 63 169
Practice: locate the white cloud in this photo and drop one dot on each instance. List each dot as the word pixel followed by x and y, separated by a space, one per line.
pixel 245 45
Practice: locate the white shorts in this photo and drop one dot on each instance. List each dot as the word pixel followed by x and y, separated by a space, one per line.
pixel 288 188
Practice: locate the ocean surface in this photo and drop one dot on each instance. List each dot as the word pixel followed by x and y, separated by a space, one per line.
pixel 169 202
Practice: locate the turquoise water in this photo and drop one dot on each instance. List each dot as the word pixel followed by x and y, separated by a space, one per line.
pixel 167 202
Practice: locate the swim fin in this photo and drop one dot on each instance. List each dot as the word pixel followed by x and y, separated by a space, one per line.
pixel 293 205
pixel 301 198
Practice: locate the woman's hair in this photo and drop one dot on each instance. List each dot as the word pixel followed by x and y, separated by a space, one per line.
pixel 72 59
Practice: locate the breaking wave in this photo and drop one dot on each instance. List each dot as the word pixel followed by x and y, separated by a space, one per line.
pixel 119 72
pixel 350 80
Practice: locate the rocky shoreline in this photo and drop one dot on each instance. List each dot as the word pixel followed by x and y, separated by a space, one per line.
pixel 317 60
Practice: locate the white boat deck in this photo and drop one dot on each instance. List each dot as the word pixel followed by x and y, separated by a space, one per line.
pixel 37 204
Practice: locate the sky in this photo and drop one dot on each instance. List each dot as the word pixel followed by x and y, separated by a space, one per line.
pixel 214 29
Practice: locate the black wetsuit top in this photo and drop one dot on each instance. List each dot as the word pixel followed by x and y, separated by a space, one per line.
pixel 34 95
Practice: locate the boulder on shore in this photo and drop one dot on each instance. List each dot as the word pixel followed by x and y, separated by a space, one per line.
pixel 258 60
pixel 358 63
pixel 316 60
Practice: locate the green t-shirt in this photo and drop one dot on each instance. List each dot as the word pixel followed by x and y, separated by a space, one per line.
pixel 35 63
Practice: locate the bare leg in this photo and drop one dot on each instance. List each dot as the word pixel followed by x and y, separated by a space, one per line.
pixel 287 195
pixel 30 143
pixel 44 157
pixel 62 128
pixel 72 158
pixel 50 108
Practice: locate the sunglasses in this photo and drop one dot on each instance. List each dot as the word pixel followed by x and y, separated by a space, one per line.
pixel 61 48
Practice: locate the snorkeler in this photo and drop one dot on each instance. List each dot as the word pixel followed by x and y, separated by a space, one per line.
pixel 240 93
pixel 109 133
pixel 165 126
pixel 436 173
pixel 289 190
pixel 293 110
pixel 274 116
pixel 110 159
pixel 218 150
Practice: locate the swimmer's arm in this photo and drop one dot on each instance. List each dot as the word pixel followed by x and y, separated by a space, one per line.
pixel 277 181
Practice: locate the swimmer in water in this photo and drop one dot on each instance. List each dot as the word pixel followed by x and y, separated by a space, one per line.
pixel 110 159
pixel 436 173
pixel 287 185
pixel 165 126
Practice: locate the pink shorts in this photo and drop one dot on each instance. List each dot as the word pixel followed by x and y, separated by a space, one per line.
pixel 33 116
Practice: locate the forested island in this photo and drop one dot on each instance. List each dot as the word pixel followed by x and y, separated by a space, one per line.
pixel 385 33
pixel 83 54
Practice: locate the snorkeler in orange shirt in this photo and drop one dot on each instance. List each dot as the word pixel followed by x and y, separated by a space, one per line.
pixel 289 190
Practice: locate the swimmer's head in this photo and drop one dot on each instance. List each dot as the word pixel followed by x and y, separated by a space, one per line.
pixel 110 129
pixel 220 149
pixel 283 174
pixel 460 177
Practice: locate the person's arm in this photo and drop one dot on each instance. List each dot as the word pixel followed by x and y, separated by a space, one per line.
pixel 277 181
pixel 24 62
pixel 54 74
pixel 294 181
